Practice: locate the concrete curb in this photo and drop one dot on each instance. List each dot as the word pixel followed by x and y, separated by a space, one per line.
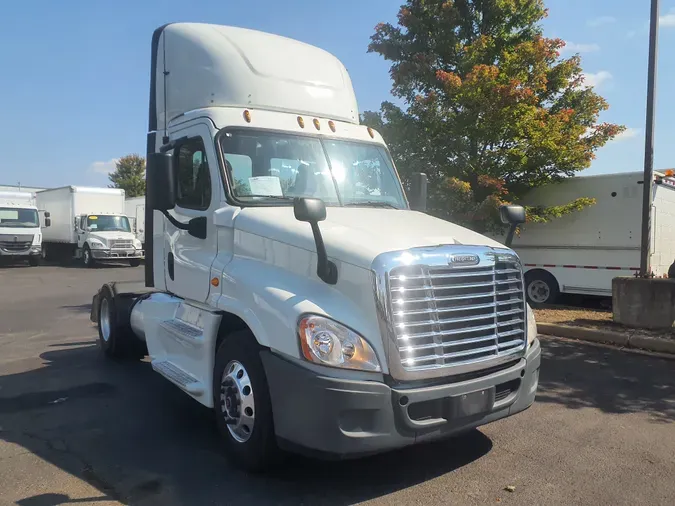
pixel 626 340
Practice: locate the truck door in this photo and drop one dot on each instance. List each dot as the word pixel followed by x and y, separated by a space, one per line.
pixel 81 228
pixel 188 258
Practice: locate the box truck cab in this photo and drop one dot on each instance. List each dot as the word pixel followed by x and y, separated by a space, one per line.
pixel 88 224
pixel 20 235
pixel 289 285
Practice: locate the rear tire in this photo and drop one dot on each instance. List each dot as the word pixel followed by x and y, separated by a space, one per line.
pixel 541 288
pixel 134 262
pixel 34 260
pixel 116 338
pixel 87 258
pixel 241 394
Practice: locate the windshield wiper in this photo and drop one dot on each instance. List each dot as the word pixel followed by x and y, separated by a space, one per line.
pixel 278 197
pixel 371 203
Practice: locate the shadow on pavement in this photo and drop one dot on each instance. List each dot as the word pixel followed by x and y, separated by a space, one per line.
pixel 578 376
pixel 139 440
pixel 80 308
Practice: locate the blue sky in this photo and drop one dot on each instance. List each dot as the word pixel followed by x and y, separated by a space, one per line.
pixel 76 95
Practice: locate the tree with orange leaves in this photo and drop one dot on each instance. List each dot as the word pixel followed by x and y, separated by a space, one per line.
pixel 491 108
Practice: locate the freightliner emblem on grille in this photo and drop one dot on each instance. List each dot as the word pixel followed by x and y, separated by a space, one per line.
pixel 463 260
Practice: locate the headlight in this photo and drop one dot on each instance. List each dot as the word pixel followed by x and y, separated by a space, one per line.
pixel 137 244
pixel 95 244
pixel 326 342
pixel 531 326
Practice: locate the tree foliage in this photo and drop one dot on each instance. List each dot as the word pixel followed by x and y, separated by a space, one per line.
pixel 129 175
pixel 491 109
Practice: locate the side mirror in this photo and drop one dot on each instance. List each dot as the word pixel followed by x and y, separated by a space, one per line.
pixel 197 227
pixel 313 211
pixel 513 216
pixel 418 192
pixel 48 222
pixel 160 178
pixel 47 214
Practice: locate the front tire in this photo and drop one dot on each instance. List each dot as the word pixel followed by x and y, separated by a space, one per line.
pixel 135 262
pixel 242 403
pixel 34 260
pixel 541 288
pixel 87 258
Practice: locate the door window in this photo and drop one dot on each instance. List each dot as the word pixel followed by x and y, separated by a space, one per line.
pixel 194 180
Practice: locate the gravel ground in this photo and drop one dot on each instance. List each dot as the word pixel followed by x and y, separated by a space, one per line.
pixel 592 318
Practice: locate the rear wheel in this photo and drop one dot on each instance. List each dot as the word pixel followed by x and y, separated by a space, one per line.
pixel 243 405
pixel 87 258
pixel 541 288
pixel 116 338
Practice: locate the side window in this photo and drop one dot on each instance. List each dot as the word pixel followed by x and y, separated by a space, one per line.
pixel 194 180
pixel 83 223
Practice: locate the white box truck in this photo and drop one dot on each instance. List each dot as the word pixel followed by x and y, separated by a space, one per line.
pixel 88 224
pixel 135 211
pixel 20 234
pixel 582 252
pixel 290 286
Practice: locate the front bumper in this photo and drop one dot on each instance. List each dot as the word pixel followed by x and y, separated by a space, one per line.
pixel 111 254
pixel 32 251
pixel 338 418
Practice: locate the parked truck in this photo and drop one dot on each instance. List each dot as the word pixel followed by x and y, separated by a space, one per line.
pixel 135 210
pixel 582 252
pixel 88 224
pixel 20 234
pixel 289 285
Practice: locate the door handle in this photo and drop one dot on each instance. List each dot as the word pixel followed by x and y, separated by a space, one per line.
pixel 169 264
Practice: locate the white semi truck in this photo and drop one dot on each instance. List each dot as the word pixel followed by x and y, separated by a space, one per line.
pixel 20 234
pixel 88 224
pixel 135 210
pixel 289 285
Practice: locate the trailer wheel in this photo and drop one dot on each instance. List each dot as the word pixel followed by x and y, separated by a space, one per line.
pixel 243 405
pixel 117 340
pixel 541 288
pixel 87 258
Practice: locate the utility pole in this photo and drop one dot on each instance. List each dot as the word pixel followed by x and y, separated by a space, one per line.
pixel 648 179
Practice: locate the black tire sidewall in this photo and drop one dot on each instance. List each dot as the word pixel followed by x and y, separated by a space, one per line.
pixel 86 250
pixel 134 262
pixel 34 260
pixel 554 289
pixel 260 451
pixel 109 347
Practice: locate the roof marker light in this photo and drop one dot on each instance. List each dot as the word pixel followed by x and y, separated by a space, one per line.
pixel 247 116
pixel 331 125
pixel 317 124
pixel 371 133
pixel 301 122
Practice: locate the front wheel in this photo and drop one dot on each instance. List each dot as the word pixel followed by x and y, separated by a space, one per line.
pixel 87 258
pixel 541 288
pixel 135 262
pixel 242 402
pixel 34 260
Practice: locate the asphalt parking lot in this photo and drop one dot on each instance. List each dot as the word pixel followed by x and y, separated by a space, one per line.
pixel 78 429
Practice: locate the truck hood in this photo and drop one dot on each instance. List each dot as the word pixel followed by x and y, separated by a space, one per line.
pixel 358 235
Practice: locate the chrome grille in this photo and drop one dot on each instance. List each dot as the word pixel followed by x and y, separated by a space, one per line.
pixel 447 316
pixel 15 244
pixel 121 244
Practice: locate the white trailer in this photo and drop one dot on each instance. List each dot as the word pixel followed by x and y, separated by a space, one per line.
pixel 135 210
pixel 20 235
pixel 582 252
pixel 88 224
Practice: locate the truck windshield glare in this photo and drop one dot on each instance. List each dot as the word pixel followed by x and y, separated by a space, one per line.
pixel 108 223
pixel 18 218
pixel 273 167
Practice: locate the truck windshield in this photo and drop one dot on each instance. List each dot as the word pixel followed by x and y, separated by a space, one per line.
pixel 18 218
pixel 108 223
pixel 268 167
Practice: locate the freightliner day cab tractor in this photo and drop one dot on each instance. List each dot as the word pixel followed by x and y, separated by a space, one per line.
pixel 288 284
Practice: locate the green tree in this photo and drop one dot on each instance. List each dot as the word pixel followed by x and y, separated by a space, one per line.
pixel 129 175
pixel 491 109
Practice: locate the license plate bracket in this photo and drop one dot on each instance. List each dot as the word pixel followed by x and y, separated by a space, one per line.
pixel 473 404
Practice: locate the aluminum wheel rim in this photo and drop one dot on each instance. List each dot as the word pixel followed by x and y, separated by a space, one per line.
pixel 105 320
pixel 539 291
pixel 86 256
pixel 237 403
